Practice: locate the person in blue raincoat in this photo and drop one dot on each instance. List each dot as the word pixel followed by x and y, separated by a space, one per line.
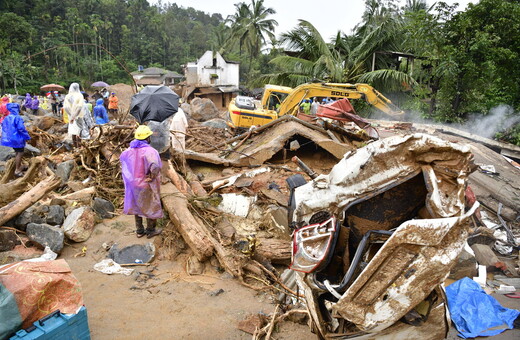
pixel 100 112
pixel 14 135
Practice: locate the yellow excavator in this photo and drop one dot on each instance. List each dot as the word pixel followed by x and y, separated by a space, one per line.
pixel 276 101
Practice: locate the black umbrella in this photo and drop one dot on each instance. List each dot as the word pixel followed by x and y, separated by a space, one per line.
pixel 154 103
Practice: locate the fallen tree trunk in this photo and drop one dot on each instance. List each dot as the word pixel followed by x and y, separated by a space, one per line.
pixel 276 250
pixel 16 207
pixel 190 229
pixel 195 185
pixel 177 180
pixel 11 190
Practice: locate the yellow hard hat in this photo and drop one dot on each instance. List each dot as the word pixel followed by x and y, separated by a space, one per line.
pixel 142 132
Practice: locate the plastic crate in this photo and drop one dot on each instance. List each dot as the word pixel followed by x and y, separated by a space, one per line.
pixel 57 326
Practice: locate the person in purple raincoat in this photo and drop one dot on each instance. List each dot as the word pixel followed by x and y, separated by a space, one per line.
pixel 14 135
pixel 27 104
pixel 35 105
pixel 141 170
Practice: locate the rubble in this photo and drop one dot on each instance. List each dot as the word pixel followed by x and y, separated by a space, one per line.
pixel 202 109
pixel 136 253
pixel 104 208
pixel 46 235
pixel 8 240
pixel 79 224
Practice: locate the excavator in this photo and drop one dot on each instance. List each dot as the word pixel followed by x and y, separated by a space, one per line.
pixel 276 101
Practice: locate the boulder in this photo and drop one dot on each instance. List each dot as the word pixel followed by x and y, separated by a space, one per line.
pixel 217 123
pixel 79 224
pixel 46 235
pixel 6 153
pixel 64 169
pixel 31 151
pixel 30 215
pixel 45 122
pixel 103 207
pixel 8 240
pixel 203 109
pixel 55 215
pixel 186 108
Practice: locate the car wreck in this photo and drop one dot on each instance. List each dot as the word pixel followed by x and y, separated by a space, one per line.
pixel 375 238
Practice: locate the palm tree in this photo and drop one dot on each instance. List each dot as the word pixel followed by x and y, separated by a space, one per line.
pixel 251 26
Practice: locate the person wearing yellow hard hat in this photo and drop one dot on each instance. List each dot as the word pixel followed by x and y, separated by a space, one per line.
pixel 141 170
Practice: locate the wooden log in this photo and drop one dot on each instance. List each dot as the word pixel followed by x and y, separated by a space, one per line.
pixel 195 185
pixel 275 250
pixel 177 179
pixel 11 190
pixel 16 207
pixel 110 154
pixel 195 234
pixel 80 195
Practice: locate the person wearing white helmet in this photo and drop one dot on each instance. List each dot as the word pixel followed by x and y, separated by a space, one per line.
pixel 141 170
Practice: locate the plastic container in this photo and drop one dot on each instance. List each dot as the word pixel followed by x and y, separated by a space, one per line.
pixel 58 326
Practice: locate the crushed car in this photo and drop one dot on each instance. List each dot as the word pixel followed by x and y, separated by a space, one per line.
pixel 375 238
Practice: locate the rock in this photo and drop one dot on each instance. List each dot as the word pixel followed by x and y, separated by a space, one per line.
pixel 45 122
pixel 136 253
pixel 78 226
pixel 64 169
pixel 8 240
pixel 194 266
pixel 217 123
pixel 466 266
pixel 103 207
pixel 46 235
pixel 56 215
pixel 203 109
pixel 252 323
pixel 31 151
pixel 19 253
pixel 30 215
pixel 186 108
pixel 6 153
pixel 485 255
pixel 216 292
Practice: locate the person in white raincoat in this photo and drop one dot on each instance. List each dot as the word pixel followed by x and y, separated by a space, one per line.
pixel 74 107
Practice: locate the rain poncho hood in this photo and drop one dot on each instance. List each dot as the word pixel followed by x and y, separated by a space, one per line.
pixel 3 108
pixel 100 113
pixel 14 133
pixel 141 198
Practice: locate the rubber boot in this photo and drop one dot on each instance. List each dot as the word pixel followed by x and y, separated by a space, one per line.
pixel 151 231
pixel 139 226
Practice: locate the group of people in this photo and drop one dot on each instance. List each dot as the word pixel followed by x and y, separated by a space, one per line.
pixel 310 106
pixel 140 163
pixel 80 114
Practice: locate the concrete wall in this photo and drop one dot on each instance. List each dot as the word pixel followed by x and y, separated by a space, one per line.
pixel 202 72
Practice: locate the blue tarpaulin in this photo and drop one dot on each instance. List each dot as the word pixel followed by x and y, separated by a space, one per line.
pixel 476 313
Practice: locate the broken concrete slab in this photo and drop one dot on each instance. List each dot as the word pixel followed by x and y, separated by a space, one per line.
pixel 484 255
pixel 135 253
pixel 79 224
pixel 46 235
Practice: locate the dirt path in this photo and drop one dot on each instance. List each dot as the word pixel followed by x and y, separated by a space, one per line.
pixel 168 305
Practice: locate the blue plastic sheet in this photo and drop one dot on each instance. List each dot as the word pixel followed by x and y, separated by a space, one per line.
pixel 476 313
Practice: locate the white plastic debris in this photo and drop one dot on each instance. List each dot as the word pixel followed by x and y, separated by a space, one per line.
pixel 108 266
pixel 487 167
pixel 48 255
pixel 236 204
pixel 482 276
pixel 505 289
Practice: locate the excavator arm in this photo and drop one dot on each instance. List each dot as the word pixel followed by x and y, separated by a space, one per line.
pixel 338 90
